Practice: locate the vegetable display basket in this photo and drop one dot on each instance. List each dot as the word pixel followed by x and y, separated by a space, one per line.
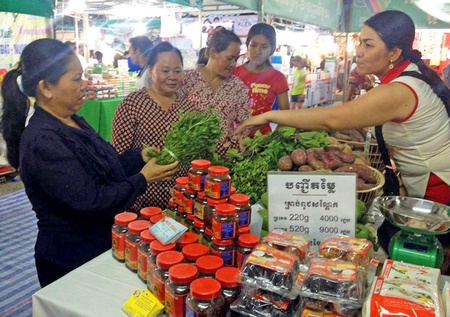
pixel 373 153
pixel 368 195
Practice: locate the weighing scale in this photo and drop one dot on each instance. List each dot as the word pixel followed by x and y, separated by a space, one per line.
pixel 420 221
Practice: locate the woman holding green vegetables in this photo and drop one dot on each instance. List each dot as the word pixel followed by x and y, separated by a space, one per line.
pixel 213 85
pixel 144 117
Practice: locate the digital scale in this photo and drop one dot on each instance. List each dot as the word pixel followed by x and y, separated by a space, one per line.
pixel 420 221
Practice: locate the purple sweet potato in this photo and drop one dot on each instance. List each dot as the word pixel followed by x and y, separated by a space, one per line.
pixel 305 168
pixel 285 163
pixel 363 172
pixel 298 156
pixel 330 161
pixel 311 157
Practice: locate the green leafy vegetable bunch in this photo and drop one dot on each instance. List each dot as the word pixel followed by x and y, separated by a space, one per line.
pixel 192 137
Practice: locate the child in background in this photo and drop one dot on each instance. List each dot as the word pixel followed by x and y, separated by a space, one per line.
pixel 266 84
pixel 298 83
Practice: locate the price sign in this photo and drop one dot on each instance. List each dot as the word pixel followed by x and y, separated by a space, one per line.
pixel 312 205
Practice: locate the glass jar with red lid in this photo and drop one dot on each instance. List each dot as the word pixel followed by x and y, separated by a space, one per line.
pixel 155 248
pixel 243 209
pixel 193 251
pixel 208 265
pixel 164 261
pixel 246 243
pixel 154 219
pixel 118 231
pixel 197 174
pixel 224 222
pixel 228 278
pixel 243 230
pixel 205 298
pixel 218 182
pixel 189 196
pixel 224 249
pixel 199 205
pixel 187 238
pixel 172 208
pixel 207 237
pixel 148 212
pixel 132 239
pixel 178 190
pixel 210 207
pixel 143 251
pixel 177 288
pixel 199 229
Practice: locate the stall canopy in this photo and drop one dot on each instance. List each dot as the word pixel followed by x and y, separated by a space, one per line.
pixel 42 8
pixel 189 3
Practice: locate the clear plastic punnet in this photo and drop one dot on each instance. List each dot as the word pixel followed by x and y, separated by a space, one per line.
pixel 288 242
pixel 271 269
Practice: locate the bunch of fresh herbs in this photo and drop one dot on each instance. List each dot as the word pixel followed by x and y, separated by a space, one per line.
pixel 193 136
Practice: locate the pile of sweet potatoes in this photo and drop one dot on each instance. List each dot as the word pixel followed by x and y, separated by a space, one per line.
pixel 332 158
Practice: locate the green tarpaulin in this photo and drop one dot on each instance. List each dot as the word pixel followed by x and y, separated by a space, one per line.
pixel 247 4
pixel 42 8
pixel 189 3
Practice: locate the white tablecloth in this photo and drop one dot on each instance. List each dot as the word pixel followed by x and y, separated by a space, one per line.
pixel 98 288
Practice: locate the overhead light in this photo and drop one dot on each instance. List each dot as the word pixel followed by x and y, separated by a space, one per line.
pixel 75 6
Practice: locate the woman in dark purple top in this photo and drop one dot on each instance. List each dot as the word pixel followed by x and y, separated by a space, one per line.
pixel 75 180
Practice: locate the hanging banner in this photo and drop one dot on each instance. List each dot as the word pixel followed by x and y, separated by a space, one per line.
pixel 16 31
pixel 42 8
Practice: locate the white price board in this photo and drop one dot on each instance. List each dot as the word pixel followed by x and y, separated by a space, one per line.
pixel 312 205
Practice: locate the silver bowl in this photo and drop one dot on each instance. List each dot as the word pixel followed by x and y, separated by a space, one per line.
pixel 414 214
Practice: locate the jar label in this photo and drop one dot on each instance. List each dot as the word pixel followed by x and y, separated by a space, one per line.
pixel 118 245
pixel 227 256
pixel 192 313
pixel 142 265
pixel 240 259
pixel 223 230
pixel 244 219
pixel 177 196
pixel 217 190
pixel 159 285
pixel 197 182
pixel 175 305
pixel 188 205
pixel 131 254
pixel 150 277
pixel 199 210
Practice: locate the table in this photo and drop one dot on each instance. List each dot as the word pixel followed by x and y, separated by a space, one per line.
pixel 98 288
pixel 99 114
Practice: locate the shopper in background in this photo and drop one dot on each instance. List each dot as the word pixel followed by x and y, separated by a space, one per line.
pixel 140 47
pixel 415 122
pixel 340 74
pixel 202 59
pixel 213 85
pixel 75 181
pixel 357 83
pixel 266 84
pixel 131 67
pixel 99 57
pixel 298 90
pixel 145 116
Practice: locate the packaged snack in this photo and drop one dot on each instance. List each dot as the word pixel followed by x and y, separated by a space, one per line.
pixel 416 273
pixel 328 307
pixel 334 281
pixel 288 242
pixel 307 312
pixel 261 303
pixel 271 269
pixel 393 297
pixel 357 251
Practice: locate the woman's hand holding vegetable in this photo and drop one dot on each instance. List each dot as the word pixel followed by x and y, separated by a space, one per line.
pixel 154 172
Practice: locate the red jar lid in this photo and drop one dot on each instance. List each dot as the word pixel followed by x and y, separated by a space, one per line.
pixel 215 202
pixel 154 219
pixel 205 288
pixel 183 273
pixel 156 247
pixel 181 181
pixel 228 276
pixel 209 264
pixel 167 259
pixel 243 230
pixel 226 209
pixel 137 226
pixel 198 223
pixel 190 190
pixel 194 250
pixel 200 164
pixel 172 202
pixel 239 199
pixel 208 231
pixel 232 190
pixel 223 243
pixel 149 212
pixel 218 170
pixel 248 240
pixel 187 238
pixel 201 195
pixel 124 218
pixel 191 217
pixel 147 237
